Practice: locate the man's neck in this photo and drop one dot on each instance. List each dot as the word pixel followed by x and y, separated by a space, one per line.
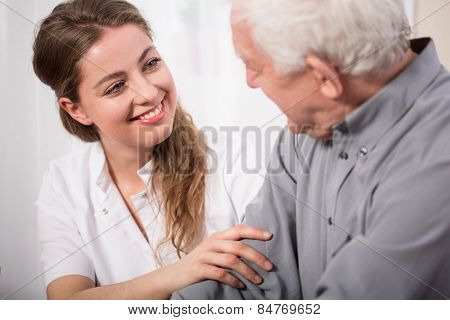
pixel 361 89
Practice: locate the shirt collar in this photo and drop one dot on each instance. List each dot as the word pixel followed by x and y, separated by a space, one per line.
pixel 145 172
pixel 99 168
pixel 367 124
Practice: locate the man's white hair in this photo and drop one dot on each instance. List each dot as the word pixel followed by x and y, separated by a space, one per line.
pixel 358 36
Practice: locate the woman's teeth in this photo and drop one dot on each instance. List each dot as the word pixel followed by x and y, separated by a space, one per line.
pixel 152 114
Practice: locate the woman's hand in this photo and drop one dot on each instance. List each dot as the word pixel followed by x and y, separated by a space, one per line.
pixel 221 251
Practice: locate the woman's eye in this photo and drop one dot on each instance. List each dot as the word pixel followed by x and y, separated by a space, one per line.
pixel 115 88
pixel 153 63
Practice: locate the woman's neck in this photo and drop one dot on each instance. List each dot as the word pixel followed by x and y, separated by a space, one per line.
pixel 123 164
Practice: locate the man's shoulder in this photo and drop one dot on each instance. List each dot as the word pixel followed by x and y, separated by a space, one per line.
pixel 422 134
pixel 427 135
pixel 419 145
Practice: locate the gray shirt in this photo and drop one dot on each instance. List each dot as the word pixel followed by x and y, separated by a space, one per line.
pixel 367 215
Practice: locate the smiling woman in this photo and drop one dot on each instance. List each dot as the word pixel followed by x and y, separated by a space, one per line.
pixel 98 227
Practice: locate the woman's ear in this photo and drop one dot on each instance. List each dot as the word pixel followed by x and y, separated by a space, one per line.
pixel 327 75
pixel 75 111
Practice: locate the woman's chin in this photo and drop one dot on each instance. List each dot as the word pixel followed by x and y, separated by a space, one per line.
pixel 148 139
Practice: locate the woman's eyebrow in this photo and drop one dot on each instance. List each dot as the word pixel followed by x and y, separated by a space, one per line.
pixel 144 53
pixel 110 76
pixel 119 74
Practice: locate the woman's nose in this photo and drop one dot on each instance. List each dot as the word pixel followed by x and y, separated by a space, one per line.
pixel 145 91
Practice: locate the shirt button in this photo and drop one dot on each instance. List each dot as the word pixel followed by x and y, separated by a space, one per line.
pixel 330 221
pixel 104 211
pixel 343 155
pixel 363 152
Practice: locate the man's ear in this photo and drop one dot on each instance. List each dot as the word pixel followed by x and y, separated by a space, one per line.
pixel 327 75
pixel 75 111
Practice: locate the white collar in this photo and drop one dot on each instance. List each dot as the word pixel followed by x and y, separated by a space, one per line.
pixel 99 168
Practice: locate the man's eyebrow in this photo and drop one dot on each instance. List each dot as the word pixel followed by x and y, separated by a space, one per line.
pixel 119 74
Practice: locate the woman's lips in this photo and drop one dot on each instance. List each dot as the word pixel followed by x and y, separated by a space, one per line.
pixel 152 116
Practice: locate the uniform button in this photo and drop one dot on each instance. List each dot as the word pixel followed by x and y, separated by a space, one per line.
pixel 363 152
pixel 330 221
pixel 343 155
pixel 104 211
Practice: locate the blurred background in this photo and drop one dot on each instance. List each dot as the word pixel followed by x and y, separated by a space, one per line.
pixel 194 37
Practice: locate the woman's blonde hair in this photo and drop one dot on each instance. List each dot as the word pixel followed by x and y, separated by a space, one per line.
pixel 179 163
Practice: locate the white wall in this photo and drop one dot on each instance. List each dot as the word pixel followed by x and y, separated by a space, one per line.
pixel 30 136
pixel 193 36
pixel 436 26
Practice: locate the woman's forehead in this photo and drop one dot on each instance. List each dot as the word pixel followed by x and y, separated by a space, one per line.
pixel 117 50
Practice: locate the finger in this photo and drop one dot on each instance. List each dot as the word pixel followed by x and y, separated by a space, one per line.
pixel 243 232
pixel 221 275
pixel 244 251
pixel 232 262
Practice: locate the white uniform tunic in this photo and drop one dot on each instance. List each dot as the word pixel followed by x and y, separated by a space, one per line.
pixel 86 229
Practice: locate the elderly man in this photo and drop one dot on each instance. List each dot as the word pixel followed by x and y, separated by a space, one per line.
pixel 357 191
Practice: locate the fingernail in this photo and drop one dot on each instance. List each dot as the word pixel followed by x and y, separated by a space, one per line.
pixel 241 285
pixel 257 279
pixel 267 234
pixel 268 265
